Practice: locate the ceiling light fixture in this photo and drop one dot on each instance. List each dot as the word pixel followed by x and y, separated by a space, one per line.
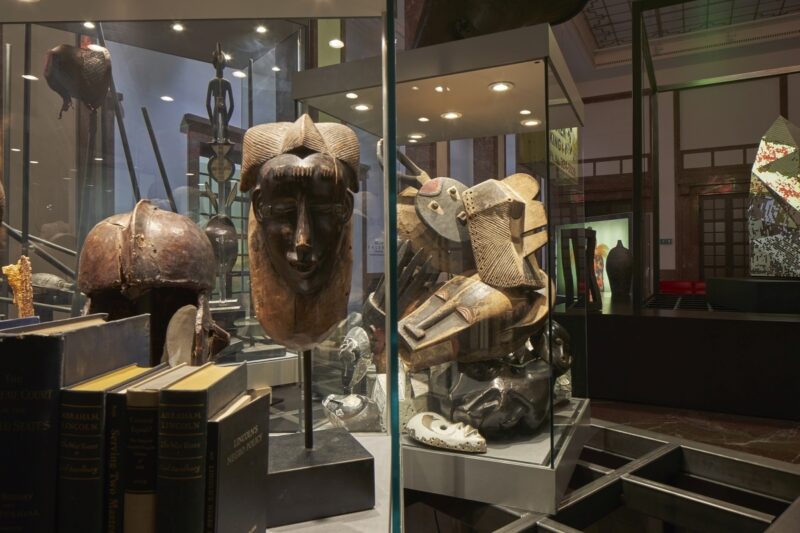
pixel 15 150
pixel 177 27
pixel 414 88
pixel 351 96
pixel 98 158
pixel 412 140
pixel 239 74
pixel 439 89
pixel 34 162
pixel 276 69
pixel 227 57
pixel 451 115
pixel 501 86
pixel 261 29
pixel 531 122
pixel 525 112
pixel 423 119
pixel 336 43
pixel 167 98
pixel 362 107
pixel 416 136
pixel 30 77
pixel 88 25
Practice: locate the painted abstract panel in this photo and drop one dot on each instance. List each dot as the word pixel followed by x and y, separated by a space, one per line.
pixel 774 210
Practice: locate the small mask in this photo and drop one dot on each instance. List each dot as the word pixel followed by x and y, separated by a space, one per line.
pixel 435 430
pixel 353 412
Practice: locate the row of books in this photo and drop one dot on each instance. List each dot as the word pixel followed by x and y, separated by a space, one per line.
pixel 95 441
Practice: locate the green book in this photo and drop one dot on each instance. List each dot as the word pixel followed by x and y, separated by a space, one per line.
pixel 183 413
pixel 141 445
pixel 116 437
pixel 82 439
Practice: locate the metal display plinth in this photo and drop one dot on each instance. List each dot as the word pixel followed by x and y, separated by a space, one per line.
pixel 528 481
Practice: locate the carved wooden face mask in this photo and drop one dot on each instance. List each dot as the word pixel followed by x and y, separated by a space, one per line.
pixel 302 177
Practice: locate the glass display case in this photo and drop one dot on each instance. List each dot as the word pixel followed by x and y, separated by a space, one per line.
pixel 488 379
pixel 157 159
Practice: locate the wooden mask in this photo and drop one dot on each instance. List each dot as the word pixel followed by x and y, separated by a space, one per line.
pixel 301 177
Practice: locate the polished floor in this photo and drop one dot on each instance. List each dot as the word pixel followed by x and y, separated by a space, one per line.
pixel 776 439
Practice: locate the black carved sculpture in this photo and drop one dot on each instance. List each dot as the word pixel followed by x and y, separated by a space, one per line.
pixel 619 266
pixel 219 98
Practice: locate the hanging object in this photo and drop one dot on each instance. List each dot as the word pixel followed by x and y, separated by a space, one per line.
pixel 82 73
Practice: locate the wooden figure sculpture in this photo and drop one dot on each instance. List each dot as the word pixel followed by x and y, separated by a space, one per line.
pixel 20 281
pixel 301 177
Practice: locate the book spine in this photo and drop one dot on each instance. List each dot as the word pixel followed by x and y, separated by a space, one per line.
pixel 116 428
pixel 139 514
pixel 182 424
pixel 80 462
pixel 212 458
pixel 30 373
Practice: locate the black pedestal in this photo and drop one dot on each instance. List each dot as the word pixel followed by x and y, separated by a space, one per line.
pixel 334 478
pixel 757 295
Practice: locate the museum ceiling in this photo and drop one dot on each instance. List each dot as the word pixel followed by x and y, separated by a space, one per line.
pixel 610 20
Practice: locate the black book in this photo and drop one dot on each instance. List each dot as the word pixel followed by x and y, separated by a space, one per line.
pixel 82 449
pixel 141 449
pixel 36 362
pixel 116 437
pixel 183 413
pixel 237 463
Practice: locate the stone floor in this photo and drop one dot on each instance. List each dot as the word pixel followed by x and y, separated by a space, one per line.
pixel 776 439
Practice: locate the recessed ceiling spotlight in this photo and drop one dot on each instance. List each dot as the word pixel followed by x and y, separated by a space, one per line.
pixel 525 112
pixel 336 43
pixel 351 96
pixel 96 48
pixel 501 86
pixel 190 173
pixel 239 74
pixel 362 107
pixel 276 69
pixel 177 27
pixel 88 25
pixel 416 136
pixel 531 122
pixel 167 98
pixel 412 140
pixel 261 29
pixel 15 149
pixel 451 115
pixel 423 119
pixel 30 77
pixel 414 88
pixel 98 158
pixel 227 57
pixel 439 89
pixel 34 162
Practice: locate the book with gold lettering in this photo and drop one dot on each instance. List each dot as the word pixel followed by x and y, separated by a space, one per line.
pixel 82 448
pixel 36 362
pixel 236 465
pixel 183 412
pixel 140 449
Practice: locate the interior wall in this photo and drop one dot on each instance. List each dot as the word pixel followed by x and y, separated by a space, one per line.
pixel 721 115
